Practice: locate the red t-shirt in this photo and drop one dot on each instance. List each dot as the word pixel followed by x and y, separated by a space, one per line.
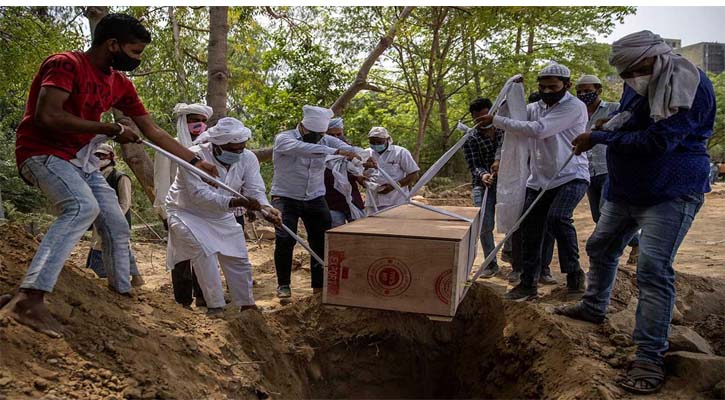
pixel 92 92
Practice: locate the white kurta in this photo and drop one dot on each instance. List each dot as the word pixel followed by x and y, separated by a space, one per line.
pixel 398 163
pixel 205 211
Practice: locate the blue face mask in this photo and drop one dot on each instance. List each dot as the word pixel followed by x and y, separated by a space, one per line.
pixel 228 157
pixel 379 148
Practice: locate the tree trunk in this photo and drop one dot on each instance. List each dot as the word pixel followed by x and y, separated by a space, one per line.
pixel 360 82
pixel 519 33
pixel 218 74
pixel 443 114
pixel 94 15
pixel 132 153
pixel 178 61
pixel 476 72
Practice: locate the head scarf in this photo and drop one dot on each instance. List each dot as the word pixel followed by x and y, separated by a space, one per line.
pixel 380 132
pixel 334 123
pixel 674 79
pixel 229 130
pixel 181 110
pixel 316 119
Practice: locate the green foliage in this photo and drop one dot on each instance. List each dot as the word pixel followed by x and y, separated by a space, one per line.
pixel 716 146
pixel 281 58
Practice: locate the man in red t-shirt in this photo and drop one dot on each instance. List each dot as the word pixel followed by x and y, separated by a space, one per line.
pixel 55 146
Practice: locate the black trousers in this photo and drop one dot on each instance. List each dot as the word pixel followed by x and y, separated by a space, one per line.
pixel 186 287
pixel 316 216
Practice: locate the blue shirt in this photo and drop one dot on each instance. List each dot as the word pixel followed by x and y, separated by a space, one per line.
pixel 653 162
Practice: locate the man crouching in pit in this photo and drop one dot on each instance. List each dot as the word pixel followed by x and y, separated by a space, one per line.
pixel 202 227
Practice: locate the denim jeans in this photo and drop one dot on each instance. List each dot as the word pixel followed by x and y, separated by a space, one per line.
pixel 316 217
pixel 94 261
pixel 553 213
pixel 80 199
pixel 595 193
pixel 664 226
pixel 338 218
pixel 488 218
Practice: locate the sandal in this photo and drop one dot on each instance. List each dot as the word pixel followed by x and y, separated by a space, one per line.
pixel 643 377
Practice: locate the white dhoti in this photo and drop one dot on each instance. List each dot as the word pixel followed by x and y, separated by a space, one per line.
pixel 237 268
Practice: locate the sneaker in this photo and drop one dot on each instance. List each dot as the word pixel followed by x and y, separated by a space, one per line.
pixel 547 279
pixel 633 256
pixel 577 311
pixel 284 292
pixel 490 271
pixel 575 282
pixel 514 277
pixel 522 293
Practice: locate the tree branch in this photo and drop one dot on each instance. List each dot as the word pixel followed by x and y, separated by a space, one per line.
pixel 195 58
pixel 193 28
pixel 146 73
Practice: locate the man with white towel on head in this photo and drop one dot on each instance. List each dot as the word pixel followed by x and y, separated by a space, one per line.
pixel 298 190
pixel 202 227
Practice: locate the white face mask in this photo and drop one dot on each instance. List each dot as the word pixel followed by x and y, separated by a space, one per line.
pixel 639 84
pixel 105 163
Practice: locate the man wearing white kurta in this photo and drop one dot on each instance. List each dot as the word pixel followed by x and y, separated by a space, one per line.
pixel 298 190
pixel 202 227
pixel 553 122
pixel 397 162
pixel 190 123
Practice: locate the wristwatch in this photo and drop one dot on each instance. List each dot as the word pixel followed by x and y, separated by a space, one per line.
pixel 195 160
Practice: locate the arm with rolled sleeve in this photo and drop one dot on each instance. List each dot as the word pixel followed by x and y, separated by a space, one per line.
pixel 203 194
pixel 288 145
pixel 662 136
pixel 559 119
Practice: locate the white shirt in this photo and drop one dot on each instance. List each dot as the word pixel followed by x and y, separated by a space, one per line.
pixel 398 163
pixel 205 209
pixel 553 129
pixel 299 167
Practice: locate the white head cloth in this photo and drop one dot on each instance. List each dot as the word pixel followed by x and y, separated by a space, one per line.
pixel 555 69
pixel 588 80
pixel 674 79
pixel 316 119
pixel 229 130
pixel 181 110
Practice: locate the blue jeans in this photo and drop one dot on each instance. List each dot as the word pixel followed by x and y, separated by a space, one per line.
pixel 80 199
pixel 94 261
pixel 595 193
pixel 488 219
pixel 664 226
pixel 339 218
pixel 552 215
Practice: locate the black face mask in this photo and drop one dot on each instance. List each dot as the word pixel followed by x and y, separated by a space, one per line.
pixel 552 98
pixel 123 62
pixel 312 137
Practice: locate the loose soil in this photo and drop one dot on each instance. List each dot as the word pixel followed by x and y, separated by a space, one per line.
pixel 150 347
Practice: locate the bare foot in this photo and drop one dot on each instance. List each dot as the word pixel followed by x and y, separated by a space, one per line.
pixel 28 308
pixel 137 281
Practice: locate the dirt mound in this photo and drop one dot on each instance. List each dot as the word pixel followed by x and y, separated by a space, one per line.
pixel 149 347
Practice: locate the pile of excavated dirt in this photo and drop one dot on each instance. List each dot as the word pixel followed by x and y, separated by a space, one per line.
pixel 150 347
